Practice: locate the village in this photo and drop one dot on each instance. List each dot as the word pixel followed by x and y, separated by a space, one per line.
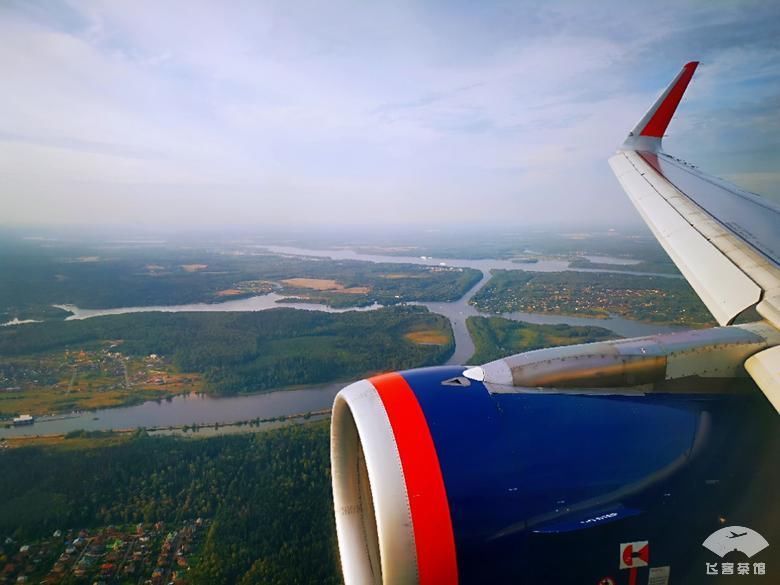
pixel 567 301
pixel 142 554
pixel 85 379
pixel 583 294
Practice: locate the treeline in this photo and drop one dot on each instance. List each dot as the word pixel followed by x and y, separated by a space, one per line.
pixel 247 352
pixel 101 277
pixel 648 266
pixel 496 337
pixel 512 244
pixel 268 494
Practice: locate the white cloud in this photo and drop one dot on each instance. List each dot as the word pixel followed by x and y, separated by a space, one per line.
pixel 354 112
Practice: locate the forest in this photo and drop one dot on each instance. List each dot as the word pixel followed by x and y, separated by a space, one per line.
pixel 496 337
pixel 106 277
pixel 267 496
pixel 248 352
pixel 647 266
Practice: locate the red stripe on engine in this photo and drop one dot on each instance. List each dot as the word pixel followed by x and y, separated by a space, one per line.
pixel 657 125
pixel 433 536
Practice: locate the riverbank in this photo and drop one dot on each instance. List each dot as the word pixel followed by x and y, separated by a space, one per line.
pixel 83 439
pixel 199 410
pixel 62 366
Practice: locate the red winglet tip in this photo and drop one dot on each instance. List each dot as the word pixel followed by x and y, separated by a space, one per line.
pixel 657 125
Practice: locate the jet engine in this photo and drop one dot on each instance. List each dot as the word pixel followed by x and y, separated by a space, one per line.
pixel 440 477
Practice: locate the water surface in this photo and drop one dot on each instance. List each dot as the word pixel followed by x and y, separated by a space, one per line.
pixel 185 410
pixel 249 304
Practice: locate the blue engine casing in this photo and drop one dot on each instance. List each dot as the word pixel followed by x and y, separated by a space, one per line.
pixel 543 487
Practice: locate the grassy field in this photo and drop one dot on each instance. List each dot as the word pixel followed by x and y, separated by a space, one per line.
pixel 325 284
pixel 428 337
pixel 41 401
pixel 93 440
pixel 496 337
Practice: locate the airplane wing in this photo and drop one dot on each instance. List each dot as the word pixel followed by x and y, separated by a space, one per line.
pixel 490 478
pixel 725 241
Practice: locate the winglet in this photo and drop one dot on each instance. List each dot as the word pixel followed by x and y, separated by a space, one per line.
pixel 650 130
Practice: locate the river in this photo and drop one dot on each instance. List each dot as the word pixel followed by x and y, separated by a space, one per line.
pixel 185 409
pixel 201 409
pixel 485 265
pixel 249 304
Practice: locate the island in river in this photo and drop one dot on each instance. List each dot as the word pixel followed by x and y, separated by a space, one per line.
pixel 122 359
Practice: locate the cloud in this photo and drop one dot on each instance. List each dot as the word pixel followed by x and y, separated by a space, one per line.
pixel 264 112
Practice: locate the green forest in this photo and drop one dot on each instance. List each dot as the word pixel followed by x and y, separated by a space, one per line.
pixel 267 494
pixel 247 352
pixel 496 337
pixel 104 277
pixel 654 266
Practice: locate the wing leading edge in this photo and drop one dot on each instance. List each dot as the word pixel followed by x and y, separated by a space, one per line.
pixel 725 241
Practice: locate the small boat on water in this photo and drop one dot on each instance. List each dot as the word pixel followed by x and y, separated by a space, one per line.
pixel 24 419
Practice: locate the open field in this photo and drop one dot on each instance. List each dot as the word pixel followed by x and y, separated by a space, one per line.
pixel 91 440
pixel 42 401
pixel 325 284
pixel 428 337
pixel 398 275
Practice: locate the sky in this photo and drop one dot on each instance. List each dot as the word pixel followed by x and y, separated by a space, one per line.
pixel 188 113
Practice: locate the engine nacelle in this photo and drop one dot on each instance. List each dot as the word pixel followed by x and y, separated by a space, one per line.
pixel 437 480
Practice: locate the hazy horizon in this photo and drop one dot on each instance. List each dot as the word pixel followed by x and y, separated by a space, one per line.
pixel 194 115
pixel 346 233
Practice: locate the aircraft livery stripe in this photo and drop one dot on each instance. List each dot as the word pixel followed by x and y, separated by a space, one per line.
pixel 433 534
pixel 657 125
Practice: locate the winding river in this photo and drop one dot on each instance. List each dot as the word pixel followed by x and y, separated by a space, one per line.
pixel 201 409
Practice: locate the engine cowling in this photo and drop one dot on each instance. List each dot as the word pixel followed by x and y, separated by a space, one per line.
pixel 436 480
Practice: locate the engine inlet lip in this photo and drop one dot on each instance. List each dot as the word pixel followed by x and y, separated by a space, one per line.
pixel 373 518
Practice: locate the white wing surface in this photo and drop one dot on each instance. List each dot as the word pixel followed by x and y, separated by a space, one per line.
pixel 725 241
